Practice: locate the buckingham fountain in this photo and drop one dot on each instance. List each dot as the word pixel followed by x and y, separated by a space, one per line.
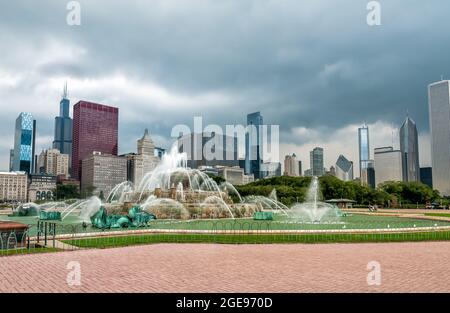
pixel 172 191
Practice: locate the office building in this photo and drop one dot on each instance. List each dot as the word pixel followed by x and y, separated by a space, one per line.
pixel 270 169
pixel 95 128
pixel 209 150
pixel 41 187
pixel 52 162
pixel 13 186
pixel 64 127
pixel 388 165
pixel 439 114
pixel 426 176
pixel 409 146
pixel 368 174
pixel 344 169
pixel 291 166
pixel 253 145
pixel 316 162
pixel 11 160
pixel 233 175
pixel 364 154
pixel 24 143
pixel 144 161
pixel 101 173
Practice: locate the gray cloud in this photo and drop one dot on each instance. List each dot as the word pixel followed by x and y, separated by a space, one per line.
pixel 313 64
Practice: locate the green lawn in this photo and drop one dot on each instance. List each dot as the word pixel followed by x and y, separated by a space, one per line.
pixel 121 241
pixel 353 221
pixel 438 214
pixel 27 251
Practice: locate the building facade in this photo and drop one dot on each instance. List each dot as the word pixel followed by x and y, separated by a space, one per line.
pixel 364 153
pixel 409 146
pixel 144 161
pixel 101 173
pixel 253 145
pixel 11 160
pixel 291 165
pixel 316 162
pixel 24 143
pixel 388 165
pixel 159 152
pixel 270 169
pixel 222 150
pixel 233 175
pixel 13 186
pixel 368 174
pixel 426 176
pixel 95 128
pixel 439 114
pixel 41 187
pixel 64 127
pixel 52 162
pixel 344 169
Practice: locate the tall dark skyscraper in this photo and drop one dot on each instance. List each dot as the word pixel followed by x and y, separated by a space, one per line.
pixel 409 146
pixel 63 127
pixel 253 145
pixel 24 142
pixel 316 162
pixel 95 128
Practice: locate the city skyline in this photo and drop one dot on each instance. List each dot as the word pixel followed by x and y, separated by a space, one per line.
pixel 285 81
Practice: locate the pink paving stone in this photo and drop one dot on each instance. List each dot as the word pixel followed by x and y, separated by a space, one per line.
pixel 405 267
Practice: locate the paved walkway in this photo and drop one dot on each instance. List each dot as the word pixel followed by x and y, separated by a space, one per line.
pixel 405 267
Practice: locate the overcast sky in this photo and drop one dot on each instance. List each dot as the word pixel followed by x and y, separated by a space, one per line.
pixel 313 67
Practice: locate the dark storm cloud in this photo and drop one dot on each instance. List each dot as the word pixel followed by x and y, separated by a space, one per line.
pixel 313 64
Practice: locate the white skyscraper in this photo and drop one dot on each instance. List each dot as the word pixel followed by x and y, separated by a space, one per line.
pixel 439 113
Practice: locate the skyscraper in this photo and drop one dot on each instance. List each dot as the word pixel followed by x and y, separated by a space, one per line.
pixel 63 127
pixel 409 146
pixel 11 160
pixel 95 129
pixel 364 153
pixel 439 114
pixel 291 165
pixel 344 169
pixel 24 143
pixel 253 145
pixel 388 165
pixel 145 160
pixel 316 162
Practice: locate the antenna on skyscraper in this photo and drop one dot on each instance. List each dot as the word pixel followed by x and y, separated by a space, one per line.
pixel 65 92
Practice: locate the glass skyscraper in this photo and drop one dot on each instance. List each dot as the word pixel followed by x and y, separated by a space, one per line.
pixel 439 114
pixel 63 127
pixel 316 162
pixel 409 146
pixel 24 143
pixel 253 145
pixel 95 129
pixel 364 153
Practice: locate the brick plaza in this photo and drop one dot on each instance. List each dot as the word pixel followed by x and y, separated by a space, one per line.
pixel 405 267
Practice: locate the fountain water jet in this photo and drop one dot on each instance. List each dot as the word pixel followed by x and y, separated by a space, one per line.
pixel 313 210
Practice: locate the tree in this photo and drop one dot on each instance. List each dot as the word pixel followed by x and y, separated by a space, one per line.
pixel 64 192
